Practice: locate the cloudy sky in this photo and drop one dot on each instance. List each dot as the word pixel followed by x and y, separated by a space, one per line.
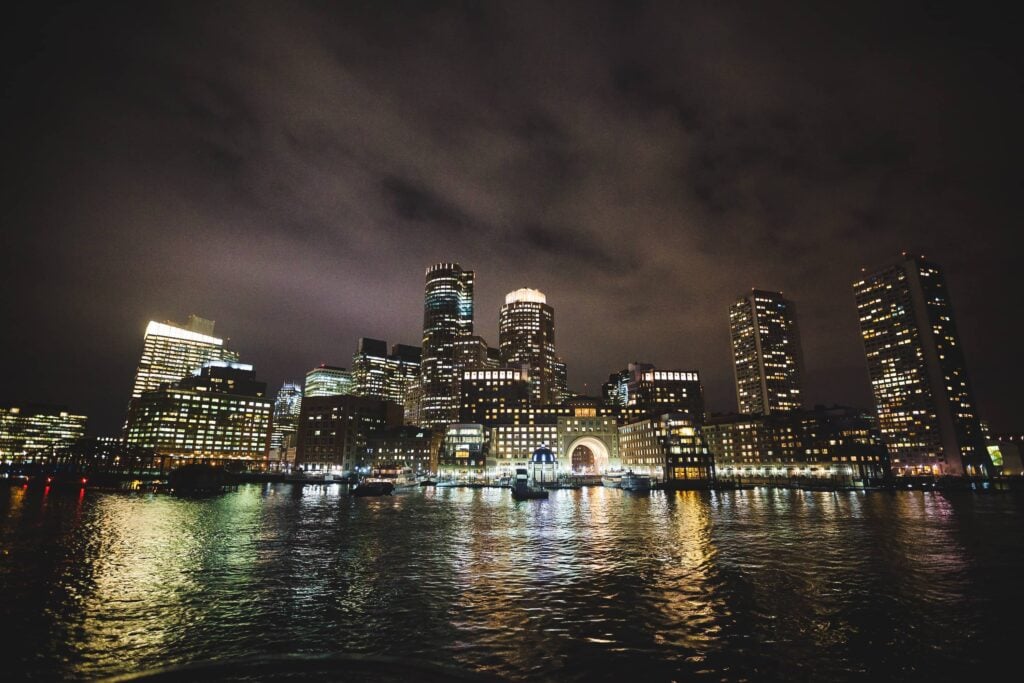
pixel 290 169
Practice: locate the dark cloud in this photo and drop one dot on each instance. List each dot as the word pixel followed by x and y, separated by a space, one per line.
pixel 290 170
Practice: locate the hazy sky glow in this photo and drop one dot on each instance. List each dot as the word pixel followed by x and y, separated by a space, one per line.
pixel 289 170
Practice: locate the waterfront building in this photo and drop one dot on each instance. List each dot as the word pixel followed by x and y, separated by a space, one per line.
pixel 766 353
pixel 643 390
pixel 219 413
pixel 1006 452
pixel 376 373
pixel 668 447
pixel 489 395
pixel 512 445
pixel 588 436
pixel 172 351
pixel 328 380
pixel 334 430
pixel 837 443
pixel 526 338
pixel 30 432
pixel 287 406
pixel 926 409
pixel 447 316
pixel 464 450
pixel 397 447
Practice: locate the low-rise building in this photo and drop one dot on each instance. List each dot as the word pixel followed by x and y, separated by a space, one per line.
pixel 406 446
pixel 837 443
pixel 464 450
pixel 30 432
pixel 669 448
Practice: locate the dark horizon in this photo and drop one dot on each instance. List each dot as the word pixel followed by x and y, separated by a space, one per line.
pixel 290 173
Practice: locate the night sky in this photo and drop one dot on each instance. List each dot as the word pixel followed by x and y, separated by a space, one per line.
pixel 289 170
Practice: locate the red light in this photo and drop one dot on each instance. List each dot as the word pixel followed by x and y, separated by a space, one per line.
pixel 84 480
pixel 49 479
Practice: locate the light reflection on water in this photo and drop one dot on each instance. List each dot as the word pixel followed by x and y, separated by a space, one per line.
pixel 592 583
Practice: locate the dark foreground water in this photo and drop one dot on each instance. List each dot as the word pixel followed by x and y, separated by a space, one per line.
pixel 591 584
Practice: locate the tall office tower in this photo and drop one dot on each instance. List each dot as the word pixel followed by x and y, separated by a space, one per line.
pixel 926 410
pixel 286 416
pixel 328 380
pixel 171 351
pixel 382 375
pixel 561 392
pixel 767 359
pixel 473 353
pixel 447 316
pixel 526 337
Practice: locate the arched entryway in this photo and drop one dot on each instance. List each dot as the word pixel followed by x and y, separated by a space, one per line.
pixel 592 457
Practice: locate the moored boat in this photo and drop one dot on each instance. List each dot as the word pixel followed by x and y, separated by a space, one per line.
pixel 521 489
pixel 612 479
pixel 635 482
pixel 373 488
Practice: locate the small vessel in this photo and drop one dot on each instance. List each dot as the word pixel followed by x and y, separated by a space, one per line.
pixel 612 479
pixel 375 487
pixel 399 478
pixel 428 482
pixel 635 482
pixel 521 489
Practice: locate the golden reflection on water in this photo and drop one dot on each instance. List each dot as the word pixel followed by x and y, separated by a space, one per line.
pixel 753 584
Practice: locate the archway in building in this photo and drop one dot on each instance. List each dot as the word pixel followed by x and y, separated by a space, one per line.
pixel 592 452
pixel 583 460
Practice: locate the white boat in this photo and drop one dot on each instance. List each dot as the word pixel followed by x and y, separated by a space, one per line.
pixel 612 479
pixel 635 482
pixel 400 478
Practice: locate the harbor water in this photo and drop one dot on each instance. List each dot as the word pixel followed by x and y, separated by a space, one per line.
pixel 590 584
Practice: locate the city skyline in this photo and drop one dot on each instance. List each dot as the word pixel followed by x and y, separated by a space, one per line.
pixel 291 182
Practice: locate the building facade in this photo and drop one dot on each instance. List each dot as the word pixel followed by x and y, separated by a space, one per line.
pixel 219 413
pixel 669 448
pixel 926 409
pixel 30 432
pixel 172 351
pixel 328 380
pixel 488 395
pixel 334 431
pixel 526 339
pixel 643 390
pixel 766 353
pixel 837 443
pixel 395 448
pixel 378 373
pixel 447 317
pixel 287 406
pixel 464 451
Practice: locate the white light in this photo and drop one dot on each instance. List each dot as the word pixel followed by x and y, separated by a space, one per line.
pixel 163 330
pixel 531 295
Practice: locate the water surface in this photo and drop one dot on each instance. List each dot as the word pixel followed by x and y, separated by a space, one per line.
pixel 590 584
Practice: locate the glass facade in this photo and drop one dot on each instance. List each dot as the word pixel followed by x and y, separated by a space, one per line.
pixel 447 316
pixel 328 380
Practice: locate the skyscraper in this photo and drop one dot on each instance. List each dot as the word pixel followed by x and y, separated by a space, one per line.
pixel 526 337
pixel 382 375
pixel 447 316
pixel 926 410
pixel 171 351
pixel 287 405
pixel 767 359
pixel 328 380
